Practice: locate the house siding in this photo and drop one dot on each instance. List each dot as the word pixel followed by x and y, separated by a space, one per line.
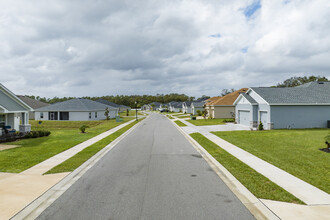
pixel 300 116
pixel 9 103
pixel 222 111
pixel 81 116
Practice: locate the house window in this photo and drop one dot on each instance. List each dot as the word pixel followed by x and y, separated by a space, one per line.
pixel 90 115
pixel 41 115
pixel 64 115
pixel 95 114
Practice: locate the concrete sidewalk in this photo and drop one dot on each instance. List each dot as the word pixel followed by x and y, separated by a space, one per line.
pixel 18 190
pixel 317 200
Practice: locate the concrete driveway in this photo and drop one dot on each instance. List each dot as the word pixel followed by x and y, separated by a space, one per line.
pixel 202 129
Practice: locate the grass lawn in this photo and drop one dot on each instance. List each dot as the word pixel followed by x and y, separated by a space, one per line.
pixel 295 151
pixel 183 116
pixel 181 124
pixel 202 122
pixel 170 117
pixel 130 113
pixel 74 162
pixel 64 135
pixel 256 183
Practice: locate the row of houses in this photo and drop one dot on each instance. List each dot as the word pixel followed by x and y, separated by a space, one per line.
pixel 15 110
pixel 184 107
pixel 305 106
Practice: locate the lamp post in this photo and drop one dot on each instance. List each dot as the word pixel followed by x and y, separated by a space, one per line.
pixel 136 111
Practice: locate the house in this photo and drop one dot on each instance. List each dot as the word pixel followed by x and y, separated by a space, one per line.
pixel 305 106
pixel 223 107
pixel 175 106
pixel 106 102
pixel 163 107
pixel 75 110
pixel 197 106
pixel 186 107
pixel 124 108
pixel 146 107
pixel 155 106
pixel 33 103
pixel 14 113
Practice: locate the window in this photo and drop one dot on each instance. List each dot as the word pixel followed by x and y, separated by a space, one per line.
pixel 95 114
pixel 41 115
pixel 90 115
pixel 64 115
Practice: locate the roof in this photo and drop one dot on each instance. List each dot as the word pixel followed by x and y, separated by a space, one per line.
pixel 198 104
pixel 10 102
pixel 157 104
pixel 309 93
pixel 228 99
pixel 33 103
pixel 76 105
pixel 188 103
pixel 176 104
pixel 249 98
pixel 106 102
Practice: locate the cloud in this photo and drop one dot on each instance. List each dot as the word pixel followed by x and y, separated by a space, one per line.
pixel 95 48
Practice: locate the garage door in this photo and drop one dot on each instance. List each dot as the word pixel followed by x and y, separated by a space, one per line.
pixel 263 118
pixel 244 117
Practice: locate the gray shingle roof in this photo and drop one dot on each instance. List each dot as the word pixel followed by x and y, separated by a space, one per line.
pixel 310 93
pixel 198 104
pixel 249 98
pixel 176 104
pixel 33 103
pixel 76 105
pixel 106 102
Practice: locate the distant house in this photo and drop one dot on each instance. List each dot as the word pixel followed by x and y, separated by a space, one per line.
pixel 146 107
pixel 75 110
pixel 124 108
pixel 155 106
pixel 305 106
pixel 175 106
pixel 121 108
pixel 33 103
pixel 223 107
pixel 197 106
pixel 186 107
pixel 14 113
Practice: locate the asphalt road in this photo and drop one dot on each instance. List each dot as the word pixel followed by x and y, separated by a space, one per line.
pixel 153 173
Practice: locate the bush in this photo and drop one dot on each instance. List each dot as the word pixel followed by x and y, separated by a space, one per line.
pixel 327 140
pixel 261 126
pixel 35 134
pixel 83 128
pixel 229 120
pixel 199 113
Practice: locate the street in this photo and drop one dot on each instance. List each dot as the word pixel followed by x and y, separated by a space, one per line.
pixel 153 173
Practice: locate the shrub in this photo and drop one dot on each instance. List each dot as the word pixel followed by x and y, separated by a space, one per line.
pixel 199 113
pixel 83 128
pixel 327 140
pixel 229 120
pixel 35 134
pixel 261 126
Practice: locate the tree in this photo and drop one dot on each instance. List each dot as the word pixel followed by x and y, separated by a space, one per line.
pixel 227 91
pixel 106 113
pixel 297 81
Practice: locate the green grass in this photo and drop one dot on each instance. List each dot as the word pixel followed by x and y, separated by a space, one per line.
pixel 181 124
pixel 131 113
pixel 257 184
pixel 170 117
pixel 64 135
pixel 203 122
pixel 183 116
pixel 74 162
pixel 295 151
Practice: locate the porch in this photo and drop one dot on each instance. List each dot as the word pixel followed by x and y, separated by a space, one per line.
pixel 13 122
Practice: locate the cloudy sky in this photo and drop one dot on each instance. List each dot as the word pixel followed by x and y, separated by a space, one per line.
pixel 109 47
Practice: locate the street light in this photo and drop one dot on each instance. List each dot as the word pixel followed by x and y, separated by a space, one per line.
pixel 136 111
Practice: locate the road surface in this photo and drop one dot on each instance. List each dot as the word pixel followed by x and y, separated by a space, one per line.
pixel 153 173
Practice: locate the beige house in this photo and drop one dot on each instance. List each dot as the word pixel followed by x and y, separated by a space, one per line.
pixel 223 107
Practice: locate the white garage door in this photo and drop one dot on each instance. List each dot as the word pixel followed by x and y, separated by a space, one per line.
pixel 263 118
pixel 244 117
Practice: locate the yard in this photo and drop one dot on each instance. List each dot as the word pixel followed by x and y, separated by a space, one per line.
pixel 203 122
pixel 130 113
pixel 181 124
pixel 295 151
pixel 256 183
pixel 64 135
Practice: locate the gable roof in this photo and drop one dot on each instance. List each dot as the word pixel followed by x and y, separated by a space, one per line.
pixel 82 105
pixel 198 104
pixel 33 103
pixel 310 93
pixel 10 102
pixel 157 104
pixel 228 99
pixel 106 102
pixel 176 104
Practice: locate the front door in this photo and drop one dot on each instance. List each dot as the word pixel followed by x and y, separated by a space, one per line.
pixel 52 115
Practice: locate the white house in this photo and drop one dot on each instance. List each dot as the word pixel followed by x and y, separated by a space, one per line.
pixel 75 110
pixel 175 106
pixel 305 106
pixel 197 106
pixel 14 113
pixel 186 107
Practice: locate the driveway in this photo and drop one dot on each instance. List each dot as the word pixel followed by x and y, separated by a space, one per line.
pixel 154 173
pixel 208 128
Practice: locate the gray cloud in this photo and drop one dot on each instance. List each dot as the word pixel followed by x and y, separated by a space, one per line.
pixel 89 48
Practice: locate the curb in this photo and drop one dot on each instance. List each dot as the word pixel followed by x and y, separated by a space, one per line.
pixel 36 207
pixel 258 209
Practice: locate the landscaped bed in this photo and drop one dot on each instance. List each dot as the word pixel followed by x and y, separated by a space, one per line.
pixel 295 151
pixel 203 122
pixel 81 157
pixel 257 184
pixel 64 135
